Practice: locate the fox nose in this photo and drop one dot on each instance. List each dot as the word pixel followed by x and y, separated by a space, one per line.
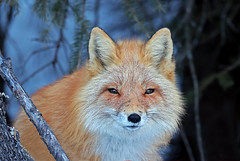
pixel 134 118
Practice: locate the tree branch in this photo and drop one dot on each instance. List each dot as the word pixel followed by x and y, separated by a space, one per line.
pixel 196 98
pixel 187 145
pixel 210 78
pixel 34 115
pixel 37 71
pixel 188 47
pixel 10 147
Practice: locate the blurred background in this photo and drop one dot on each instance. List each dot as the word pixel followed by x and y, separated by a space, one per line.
pixel 47 39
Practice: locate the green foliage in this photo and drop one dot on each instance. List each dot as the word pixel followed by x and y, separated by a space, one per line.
pixel 44 37
pixel 140 17
pixel 80 45
pixel 158 5
pixel 207 81
pixel 54 14
pixel 13 3
pixel 81 36
pixel 225 81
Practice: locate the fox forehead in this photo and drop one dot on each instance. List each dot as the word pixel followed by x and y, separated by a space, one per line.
pixel 129 50
pixel 131 74
pixel 129 66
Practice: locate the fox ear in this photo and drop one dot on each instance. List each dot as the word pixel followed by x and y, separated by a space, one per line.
pixel 160 46
pixel 101 47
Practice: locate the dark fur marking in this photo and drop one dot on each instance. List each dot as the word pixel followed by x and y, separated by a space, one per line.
pixel 98 54
pixel 162 53
pixel 127 103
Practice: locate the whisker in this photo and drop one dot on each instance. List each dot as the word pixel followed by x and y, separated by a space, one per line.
pixel 153 119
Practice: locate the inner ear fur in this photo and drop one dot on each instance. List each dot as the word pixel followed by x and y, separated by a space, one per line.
pixel 102 48
pixel 159 51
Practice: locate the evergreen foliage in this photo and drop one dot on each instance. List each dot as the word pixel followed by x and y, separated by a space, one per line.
pixel 80 45
pixel 55 13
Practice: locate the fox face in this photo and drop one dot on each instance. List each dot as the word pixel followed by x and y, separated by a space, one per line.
pixel 131 93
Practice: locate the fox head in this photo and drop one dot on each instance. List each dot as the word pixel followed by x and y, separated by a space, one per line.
pixel 131 87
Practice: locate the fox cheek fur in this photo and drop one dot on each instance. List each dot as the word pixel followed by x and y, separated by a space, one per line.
pixel 122 105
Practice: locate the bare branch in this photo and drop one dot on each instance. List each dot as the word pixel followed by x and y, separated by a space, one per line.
pixel 54 62
pixel 36 72
pixel 210 78
pixel 34 115
pixel 187 145
pixel 196 96
pixel 196 104
pixel 188 48
pixel 38 51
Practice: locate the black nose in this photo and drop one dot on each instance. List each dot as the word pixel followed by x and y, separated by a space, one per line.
pixel 134 118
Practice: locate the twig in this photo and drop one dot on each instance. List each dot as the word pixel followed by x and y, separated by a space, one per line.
pixel 200 26
pixel 196 105
pixel 189 8
pixel 36 72
pixel 38 51
pixel 196 96
pixel 230 68
pixel 53 62
pixel 58 45
pixel 136 18
pixel 187 145
pixel 204 84
pixel 34 115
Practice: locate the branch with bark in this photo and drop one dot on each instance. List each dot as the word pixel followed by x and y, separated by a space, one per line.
pixel 34 115
pixel 10 147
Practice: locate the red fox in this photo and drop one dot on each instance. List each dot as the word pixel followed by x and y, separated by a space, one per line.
pixel 122 105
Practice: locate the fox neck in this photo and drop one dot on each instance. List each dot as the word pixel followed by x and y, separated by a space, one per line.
pixel 131 147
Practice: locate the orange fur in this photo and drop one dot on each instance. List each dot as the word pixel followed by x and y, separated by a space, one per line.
pixel 83 113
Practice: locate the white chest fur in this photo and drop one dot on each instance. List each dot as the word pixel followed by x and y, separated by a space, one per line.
pixel 127 146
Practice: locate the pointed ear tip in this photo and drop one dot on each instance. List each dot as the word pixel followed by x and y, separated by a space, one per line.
pixel 96 30
pixel 165 31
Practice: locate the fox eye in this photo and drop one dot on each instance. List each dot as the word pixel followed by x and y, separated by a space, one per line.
pixel 149 91
pixel 113 91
